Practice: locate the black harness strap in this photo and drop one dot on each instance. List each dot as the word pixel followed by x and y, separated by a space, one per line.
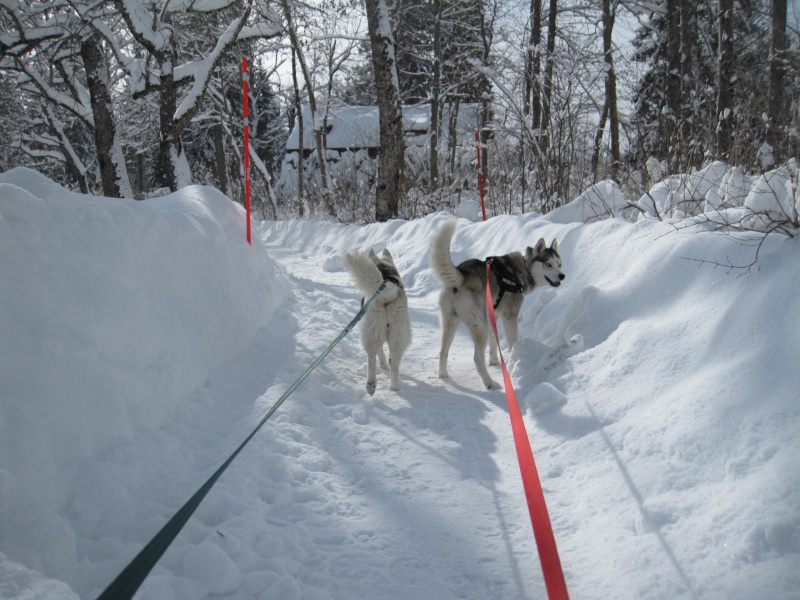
pixel 505 280
pixel 393 280
pixel 390 274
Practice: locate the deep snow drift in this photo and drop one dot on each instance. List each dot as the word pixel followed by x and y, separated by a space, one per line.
pixel 141 342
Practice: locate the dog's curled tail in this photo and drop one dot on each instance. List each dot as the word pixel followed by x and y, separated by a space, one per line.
pixel 441 262
pixel 367 277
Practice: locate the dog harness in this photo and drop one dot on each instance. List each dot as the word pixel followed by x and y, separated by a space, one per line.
pixel 388 275
pixel 505 280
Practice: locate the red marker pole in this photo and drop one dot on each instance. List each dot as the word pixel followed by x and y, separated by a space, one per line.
pixel 245 103
pixel 480 173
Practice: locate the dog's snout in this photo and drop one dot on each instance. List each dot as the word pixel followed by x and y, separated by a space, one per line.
pixel 561 276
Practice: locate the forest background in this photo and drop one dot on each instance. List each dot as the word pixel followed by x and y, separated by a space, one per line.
pixel 132 98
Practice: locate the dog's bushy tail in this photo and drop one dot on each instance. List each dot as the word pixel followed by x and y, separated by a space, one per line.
pixel 367 277
pixel 441 262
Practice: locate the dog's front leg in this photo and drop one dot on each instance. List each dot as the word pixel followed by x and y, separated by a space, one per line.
pixel 511 326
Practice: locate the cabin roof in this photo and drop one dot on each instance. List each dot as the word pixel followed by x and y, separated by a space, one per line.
pixel 357 127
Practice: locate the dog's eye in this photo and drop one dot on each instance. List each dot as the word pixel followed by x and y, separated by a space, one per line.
pixel 549 265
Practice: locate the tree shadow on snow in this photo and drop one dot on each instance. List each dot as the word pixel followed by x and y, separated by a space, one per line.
pixel 454 417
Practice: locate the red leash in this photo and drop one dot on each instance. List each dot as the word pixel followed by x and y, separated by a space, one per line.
pixel 540 519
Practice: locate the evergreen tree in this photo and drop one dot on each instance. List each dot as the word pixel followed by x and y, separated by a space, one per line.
pixel 676 99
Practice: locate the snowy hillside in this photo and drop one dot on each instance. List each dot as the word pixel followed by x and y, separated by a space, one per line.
pixel 141 342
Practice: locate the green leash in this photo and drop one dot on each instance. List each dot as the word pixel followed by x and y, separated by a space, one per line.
pixel 128 582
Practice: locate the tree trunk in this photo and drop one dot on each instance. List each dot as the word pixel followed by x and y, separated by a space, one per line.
pixel 75 169
pixel 220 164
pixel 611 89
pixel 531 105
pixel 436 99
pixel 316 127
pixel 777 72
pixel 300 149
pixel 392 151
pixel 598 140
pixel 688 145
pixel 532 101
pixel 113 173
pixel 725 87
pixel 671 131
pixel 547 91
pixel 169 148
pixel 452 140
pixel 486 98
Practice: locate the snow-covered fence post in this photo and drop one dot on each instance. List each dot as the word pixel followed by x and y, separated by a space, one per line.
pixel 245 103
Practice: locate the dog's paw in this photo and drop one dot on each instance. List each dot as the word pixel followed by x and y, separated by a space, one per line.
pixel 371 385
pixel 494 361
pixel 493 385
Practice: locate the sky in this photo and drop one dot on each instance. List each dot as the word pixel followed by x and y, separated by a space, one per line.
pixel 141 342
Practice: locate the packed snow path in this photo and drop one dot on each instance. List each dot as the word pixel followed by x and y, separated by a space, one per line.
pixel 403 495
pixel 420 486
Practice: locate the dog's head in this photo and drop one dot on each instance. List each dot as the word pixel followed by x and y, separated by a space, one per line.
pixel 385 264
pixel 544 264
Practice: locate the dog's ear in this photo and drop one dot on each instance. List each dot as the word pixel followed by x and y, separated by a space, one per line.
pixel 541 246
pixel 554 245
pixel 371 253
pixel 387 256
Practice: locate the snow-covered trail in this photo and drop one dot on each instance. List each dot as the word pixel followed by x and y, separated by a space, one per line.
pixel 402 495
pixel 418 491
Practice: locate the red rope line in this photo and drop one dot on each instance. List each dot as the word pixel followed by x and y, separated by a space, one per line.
pixel 540 519
pixel 534 495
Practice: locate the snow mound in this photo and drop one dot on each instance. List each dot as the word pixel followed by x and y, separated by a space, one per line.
pixel 132 302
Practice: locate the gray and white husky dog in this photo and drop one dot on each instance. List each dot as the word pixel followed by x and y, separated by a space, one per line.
pixel 463 295
pixel 386 321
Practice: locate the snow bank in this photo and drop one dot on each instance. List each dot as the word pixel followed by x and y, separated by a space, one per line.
pixel 726 196
pixel 602 200
pixel 642 357
pixel 773 199
pixel 133 303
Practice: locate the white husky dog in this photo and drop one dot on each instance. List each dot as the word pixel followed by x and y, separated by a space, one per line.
pixel 386 321
pixel 463 295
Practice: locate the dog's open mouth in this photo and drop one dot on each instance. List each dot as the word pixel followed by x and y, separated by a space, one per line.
pixel 553 283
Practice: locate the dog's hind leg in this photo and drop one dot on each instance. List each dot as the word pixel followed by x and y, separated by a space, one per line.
pixel 382 358
pixel 372 378
pixel 493 358
pixel 449 328
pixel 479 338
pixel 395 356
